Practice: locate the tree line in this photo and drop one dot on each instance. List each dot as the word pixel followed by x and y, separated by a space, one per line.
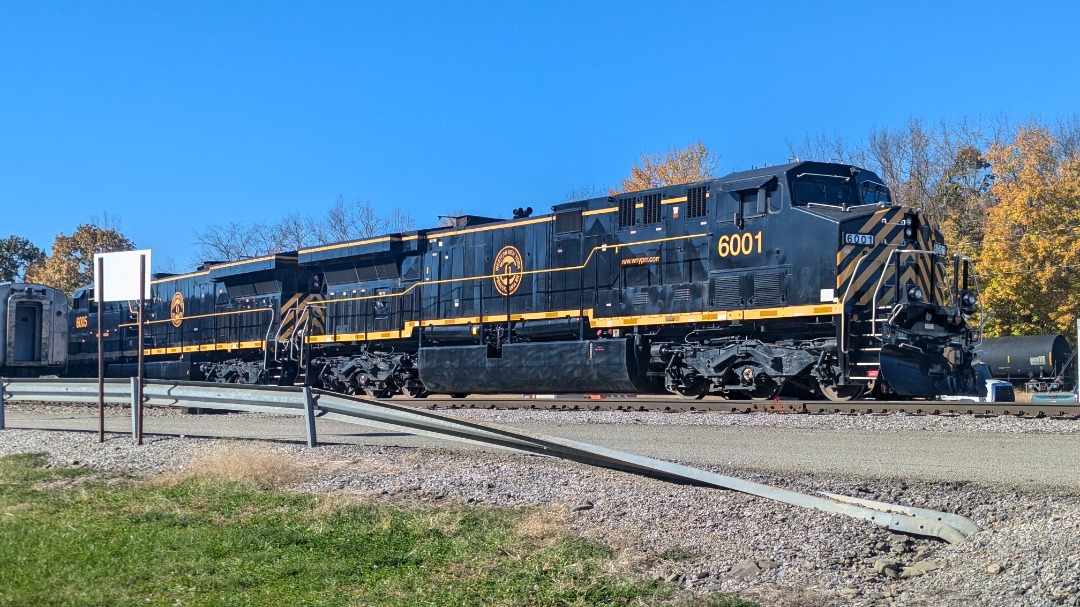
pixel 1005 194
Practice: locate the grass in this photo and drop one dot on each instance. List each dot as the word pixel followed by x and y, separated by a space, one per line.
pixel 69 538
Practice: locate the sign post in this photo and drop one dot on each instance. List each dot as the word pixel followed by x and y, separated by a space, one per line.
pixel 99 278
pixel 142 303
pixel 129 273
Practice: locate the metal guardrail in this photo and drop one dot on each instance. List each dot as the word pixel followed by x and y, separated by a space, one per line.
pixel 384 415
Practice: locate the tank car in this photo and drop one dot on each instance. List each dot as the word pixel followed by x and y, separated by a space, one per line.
pixel 1041 362
pixel 33 330
pixel 802 276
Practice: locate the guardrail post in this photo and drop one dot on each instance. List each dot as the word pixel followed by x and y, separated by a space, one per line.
pixel 134 406
pixel 309 417
pixel 3 397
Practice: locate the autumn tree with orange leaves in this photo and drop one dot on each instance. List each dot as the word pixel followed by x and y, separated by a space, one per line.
pixel 692 163
pixel 1030 258
pixel 70 264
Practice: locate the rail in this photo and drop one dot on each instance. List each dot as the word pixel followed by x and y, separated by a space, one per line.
pixel 312 404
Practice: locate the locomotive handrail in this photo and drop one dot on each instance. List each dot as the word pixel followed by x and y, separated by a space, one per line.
pixel 302 329
pixel 843 302
pixel 881 280
pixel 369 412
pixel 982 317
pixel 266 342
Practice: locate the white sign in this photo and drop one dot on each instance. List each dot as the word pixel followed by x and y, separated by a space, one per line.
pixel 121 271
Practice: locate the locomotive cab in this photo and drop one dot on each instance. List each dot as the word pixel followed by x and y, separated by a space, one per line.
pixel 907 310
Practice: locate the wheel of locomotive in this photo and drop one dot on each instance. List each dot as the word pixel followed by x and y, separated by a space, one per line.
pixel 764 387
pixel 800 388
pixel 355 386
pixel 763 392
pixel 695 387
pixel 381 392
pixel 414 389
pixel 842 394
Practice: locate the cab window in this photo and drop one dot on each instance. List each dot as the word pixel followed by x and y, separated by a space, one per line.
pixel 832 190
pixel 872 192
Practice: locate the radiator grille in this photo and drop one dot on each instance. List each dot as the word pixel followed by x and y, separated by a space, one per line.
pixel 626 212
pixel 680 295
pixel 726 292
pixel 768 289
pixel 568 221
pixel 641 298
pixel 695 202
pixel 651 209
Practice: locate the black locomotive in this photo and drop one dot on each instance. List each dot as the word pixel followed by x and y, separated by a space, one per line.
pixel 802 277
pixel 226 322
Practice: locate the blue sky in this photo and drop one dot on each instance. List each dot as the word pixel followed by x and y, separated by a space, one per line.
pixel 175 115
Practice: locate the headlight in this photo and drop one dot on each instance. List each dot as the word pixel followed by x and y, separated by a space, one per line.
pixel 908 232
pixel 915 293
pixel 968 301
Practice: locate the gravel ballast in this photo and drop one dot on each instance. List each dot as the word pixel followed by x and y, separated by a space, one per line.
pixel 1027 551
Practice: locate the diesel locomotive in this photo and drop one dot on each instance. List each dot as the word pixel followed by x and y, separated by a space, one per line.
pixel 803 278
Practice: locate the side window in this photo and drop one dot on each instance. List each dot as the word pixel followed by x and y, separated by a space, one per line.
pixel 748 203
pixel 773 198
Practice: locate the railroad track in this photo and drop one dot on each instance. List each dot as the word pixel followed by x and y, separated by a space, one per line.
pixel 675 404
pixel 603 402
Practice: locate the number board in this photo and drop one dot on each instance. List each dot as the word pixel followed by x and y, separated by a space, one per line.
pixel 860 239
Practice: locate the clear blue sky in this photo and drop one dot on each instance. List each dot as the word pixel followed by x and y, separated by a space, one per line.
pixel 175 115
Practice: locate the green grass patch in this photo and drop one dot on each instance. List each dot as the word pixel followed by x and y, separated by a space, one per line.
pixel 70 541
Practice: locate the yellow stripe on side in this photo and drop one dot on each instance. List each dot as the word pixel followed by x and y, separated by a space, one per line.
pixel 253 260
pixel 179 276
pixel 492 226
pixel 342 245
pixel 197 316
pixel 618 321
pixel 600 211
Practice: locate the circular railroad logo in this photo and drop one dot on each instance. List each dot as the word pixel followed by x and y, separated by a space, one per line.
pixel 507 270
pixel 176 309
